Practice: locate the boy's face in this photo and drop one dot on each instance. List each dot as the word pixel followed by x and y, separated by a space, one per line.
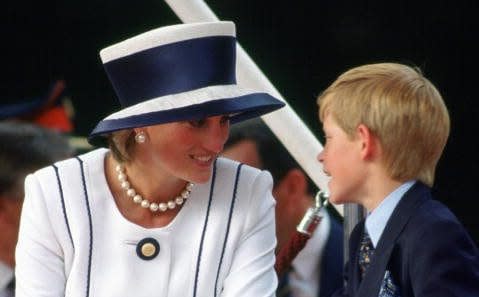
pixel 341 159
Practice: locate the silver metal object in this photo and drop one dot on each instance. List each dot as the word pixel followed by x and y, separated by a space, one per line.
pixel 321 199
pixel 312 217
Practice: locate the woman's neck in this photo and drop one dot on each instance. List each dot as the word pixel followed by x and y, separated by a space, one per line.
pixel 151 186
pixel 150 182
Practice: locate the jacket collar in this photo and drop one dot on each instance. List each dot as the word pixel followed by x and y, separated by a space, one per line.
pixel 418 194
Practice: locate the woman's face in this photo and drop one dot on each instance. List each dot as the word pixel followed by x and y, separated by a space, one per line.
pixel 186 149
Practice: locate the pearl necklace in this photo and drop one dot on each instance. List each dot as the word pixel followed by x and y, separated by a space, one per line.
pixel 153 206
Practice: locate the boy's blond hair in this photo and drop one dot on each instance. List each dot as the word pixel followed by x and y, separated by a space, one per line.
pixel 402 109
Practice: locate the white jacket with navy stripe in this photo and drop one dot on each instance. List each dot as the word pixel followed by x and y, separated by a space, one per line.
pixel 74 242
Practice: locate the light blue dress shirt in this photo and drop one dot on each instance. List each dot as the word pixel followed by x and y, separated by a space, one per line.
pixel 377 219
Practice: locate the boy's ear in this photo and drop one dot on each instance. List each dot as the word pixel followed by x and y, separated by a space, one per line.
pixel 369 148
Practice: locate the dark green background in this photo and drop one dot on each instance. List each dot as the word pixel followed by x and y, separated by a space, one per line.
pixel 300 45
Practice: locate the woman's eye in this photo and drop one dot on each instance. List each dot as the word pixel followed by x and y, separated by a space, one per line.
pixel 197 123
pixel 225 119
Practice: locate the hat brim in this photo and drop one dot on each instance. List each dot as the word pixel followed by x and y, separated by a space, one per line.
pixel 240 108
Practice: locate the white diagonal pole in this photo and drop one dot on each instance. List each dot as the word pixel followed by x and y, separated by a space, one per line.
pixel 285 123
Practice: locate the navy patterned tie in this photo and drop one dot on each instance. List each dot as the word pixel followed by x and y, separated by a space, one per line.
pixel 366 251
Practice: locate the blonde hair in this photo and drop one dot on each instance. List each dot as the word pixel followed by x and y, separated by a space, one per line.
pixel 402 109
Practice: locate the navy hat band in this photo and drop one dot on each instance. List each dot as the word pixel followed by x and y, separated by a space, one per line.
pixel 174 68
pixel 177 73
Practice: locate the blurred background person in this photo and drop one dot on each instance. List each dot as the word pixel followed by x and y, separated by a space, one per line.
pixel 317 269
pixel 24 148
pixel 53 110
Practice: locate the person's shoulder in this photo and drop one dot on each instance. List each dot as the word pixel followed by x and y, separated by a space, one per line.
pixel 230 164
pixel 424 209
pixel 247 173
pixel 93 157
pixel 96 155
pixel 434 223
pixel 434 213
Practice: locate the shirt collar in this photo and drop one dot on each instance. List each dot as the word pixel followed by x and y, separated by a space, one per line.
pixel 377 219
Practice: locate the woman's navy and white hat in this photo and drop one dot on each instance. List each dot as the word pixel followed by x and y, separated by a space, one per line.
pixel 176 73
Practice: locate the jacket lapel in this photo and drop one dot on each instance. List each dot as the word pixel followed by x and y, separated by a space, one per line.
pixel 415 196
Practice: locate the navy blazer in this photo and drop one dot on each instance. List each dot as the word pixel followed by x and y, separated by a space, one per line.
pixel 424 246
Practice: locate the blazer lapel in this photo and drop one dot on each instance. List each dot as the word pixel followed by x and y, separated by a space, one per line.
pixel 415 196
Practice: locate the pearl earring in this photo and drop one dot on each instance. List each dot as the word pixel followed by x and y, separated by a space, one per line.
pixel 140 137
